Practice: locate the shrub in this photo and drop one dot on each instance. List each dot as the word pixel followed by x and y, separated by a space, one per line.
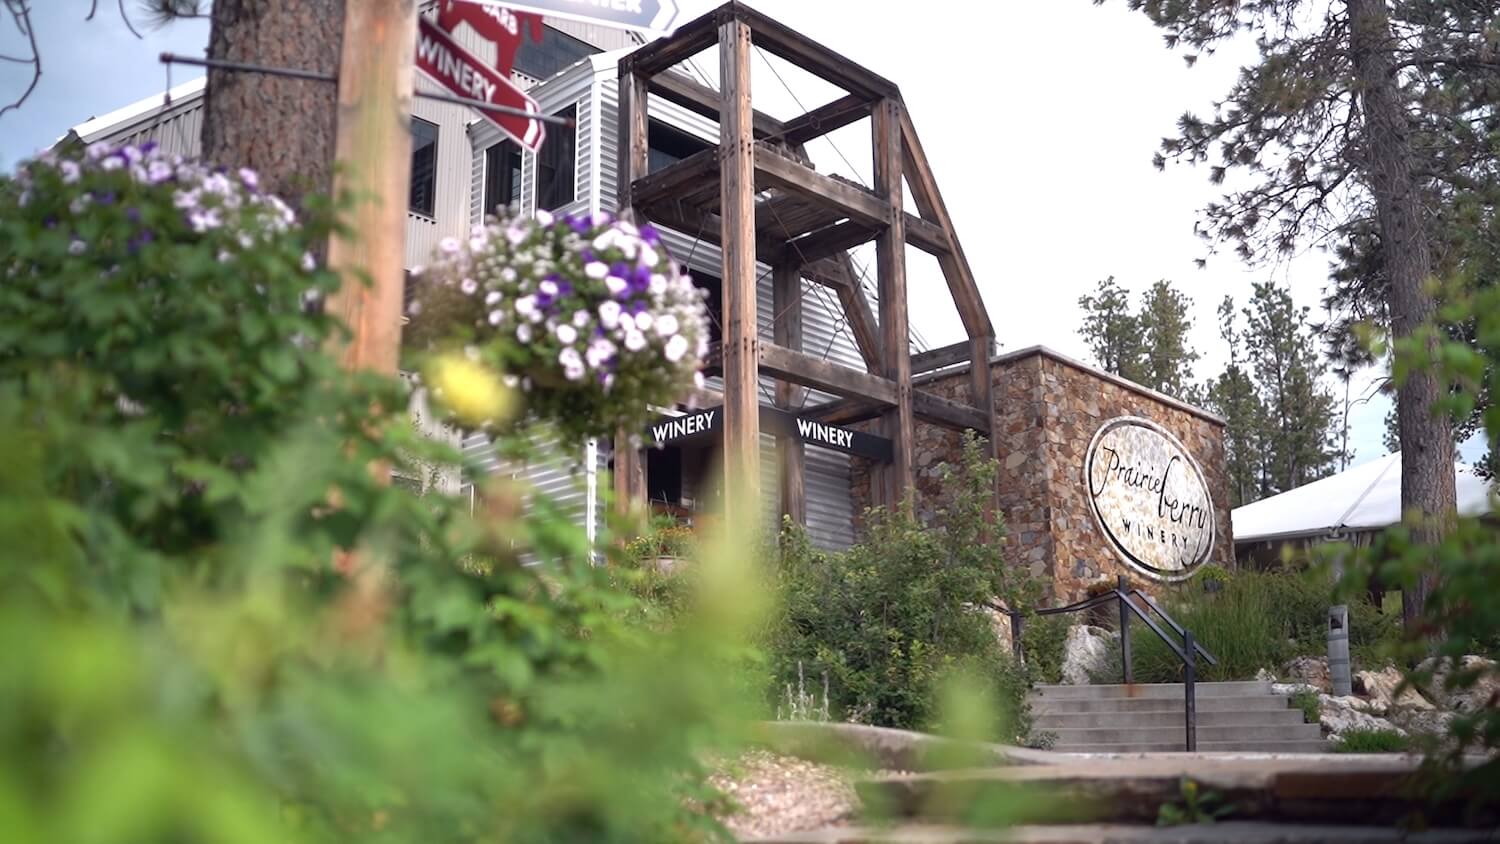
pixel 1371 741
pixel 1044 640
pixel 1312 708
pixel 891 617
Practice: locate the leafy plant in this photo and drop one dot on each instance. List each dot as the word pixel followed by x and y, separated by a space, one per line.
pixel 1196 806
pixel 893 616
pixel 1307 701
pixel 1044 640
pixel 1371 741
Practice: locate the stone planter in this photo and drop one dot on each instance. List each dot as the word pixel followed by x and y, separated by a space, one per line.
pixel 666 564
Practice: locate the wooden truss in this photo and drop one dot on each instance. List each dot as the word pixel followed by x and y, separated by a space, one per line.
pixel 756 196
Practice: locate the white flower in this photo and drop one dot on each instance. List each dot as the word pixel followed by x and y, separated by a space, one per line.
pixel 573 368
pixel 414 308
pixel 608 381
pixel 523 333
pixel 468 286
pixel 114 162
pixel 70 171
pixel 77 247
pixel 648 256
pixel 508 275
pixel 308 262
pixel 526 305
pixel 580 319
pixel 548 287
pixel 497 315
pixel 629 228
pixel 698 380
pixel 600 351
pixel 515 234
pixel 98 151
pixel 131 153
pixel 477 244
pixel 185 199
pixel 658 284
pixel 79 203
pixel 615 284
pixel 566 334
pixel 158 171
pixel 675 348
pixel 449 245
pixel 492 297
pixel 249 178
pixel 217 183
pixel 598 218
pixel 634 340
pixel 245 241
pixel 609 314
pixel 595 269
pixel 544 217
pixel 644 320
pixel 667 325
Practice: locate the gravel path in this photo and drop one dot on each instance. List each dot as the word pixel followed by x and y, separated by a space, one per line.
pixel 778 794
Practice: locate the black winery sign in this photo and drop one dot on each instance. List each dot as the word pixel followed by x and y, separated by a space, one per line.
pixel 709 423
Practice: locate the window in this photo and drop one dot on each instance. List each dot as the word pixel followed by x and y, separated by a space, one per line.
pixel 554 165
pixel 424 141
pixel 551 55
pixel 502 178
pixel 666 146
pixel 715 303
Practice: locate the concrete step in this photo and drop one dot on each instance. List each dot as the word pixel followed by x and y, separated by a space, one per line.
pixel 1059 706
pixel 1223 832
pixel 1180 745
pixel 1167 718
pixel 1245 688
pixel 1131 734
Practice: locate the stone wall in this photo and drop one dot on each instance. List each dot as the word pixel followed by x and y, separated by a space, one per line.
pixel 1047 409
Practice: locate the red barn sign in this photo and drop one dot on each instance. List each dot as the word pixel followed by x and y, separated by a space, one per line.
pixel 466 75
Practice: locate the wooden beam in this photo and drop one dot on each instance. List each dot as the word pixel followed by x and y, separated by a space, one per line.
pixel 686 41
pixel 897 423
pixel 839 237
pixel 372 147
pixel 928 237
pixel 941 357
pixel 786 307
pixel 778 39
pixel 801 368
pixel 741 330
pixel 844 411
pixel 631 154
pixel 774 169
pixel 948 413
pixel 698 170
pixel 824 119
pixel 704 101
pixel 955 266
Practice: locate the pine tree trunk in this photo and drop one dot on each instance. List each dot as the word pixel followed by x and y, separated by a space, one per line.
pixel 1427 482
pixel 282 128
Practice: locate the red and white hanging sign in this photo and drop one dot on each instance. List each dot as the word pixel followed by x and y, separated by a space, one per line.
pixel 464 74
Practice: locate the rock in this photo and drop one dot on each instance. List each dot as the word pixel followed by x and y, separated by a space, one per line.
pixel 1429 722
pixel 1380 687
pixel 1087 650
pixel 1341 714
pixel 1311 670
pixel 1484 689
pixel 1289 689
pixel 1264 676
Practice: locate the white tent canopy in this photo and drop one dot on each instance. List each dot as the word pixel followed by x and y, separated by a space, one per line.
pixel 1365 497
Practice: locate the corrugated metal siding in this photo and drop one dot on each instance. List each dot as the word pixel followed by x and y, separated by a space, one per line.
pixel 559 473
pixel 454 171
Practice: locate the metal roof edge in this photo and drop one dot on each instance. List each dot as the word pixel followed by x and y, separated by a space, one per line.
pixel 1044 351
pixel 142 109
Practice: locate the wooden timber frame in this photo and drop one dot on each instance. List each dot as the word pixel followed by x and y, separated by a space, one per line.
pixel 758 198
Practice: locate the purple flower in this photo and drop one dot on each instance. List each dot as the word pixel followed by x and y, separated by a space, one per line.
pixel 650 235
pixel 133 214
pixel 148 147
pixel 106 198
pixel 579 225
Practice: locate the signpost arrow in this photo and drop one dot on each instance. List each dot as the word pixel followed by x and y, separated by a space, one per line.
pixel 654 17
pixel 447 63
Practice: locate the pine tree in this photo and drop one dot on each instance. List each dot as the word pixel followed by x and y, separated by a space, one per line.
pixel 1322 129
pixel 1235 396
pixel 1298 435
pixel 1167 359
pixel 1112 331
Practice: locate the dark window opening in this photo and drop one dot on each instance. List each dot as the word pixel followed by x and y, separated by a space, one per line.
pixel 555 165
pixel 666 146
pixel 664 475
pixel 715 303
pixel 424 147
pixel 502 178
pixel 555 52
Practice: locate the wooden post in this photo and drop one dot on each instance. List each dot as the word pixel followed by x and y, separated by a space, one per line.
pixel 741 342
pixel 373 148
pixel 787 309
pixel 630 468
pixel 982 396
pixel 890 261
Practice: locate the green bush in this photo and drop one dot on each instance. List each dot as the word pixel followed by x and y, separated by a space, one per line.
pixel 891 618
pixel 1371 741
pixel 1044 640
pixel 1256 620
pixel 1312 708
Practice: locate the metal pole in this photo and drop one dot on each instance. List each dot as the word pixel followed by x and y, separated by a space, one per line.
pixel 314 76
pixel 1189 677
pixel 1125 659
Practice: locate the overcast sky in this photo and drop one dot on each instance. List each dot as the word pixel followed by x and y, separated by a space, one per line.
pixel 1039 118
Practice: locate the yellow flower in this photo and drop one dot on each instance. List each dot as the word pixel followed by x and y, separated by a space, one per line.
pixel 470 390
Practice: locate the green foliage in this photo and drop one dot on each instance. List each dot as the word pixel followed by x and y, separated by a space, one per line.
pixel 892 617
pixel 1148 346
pixel 1257 620
pixel 1212 577
pixel 1312 708
pixel 221 625
pixel 1197 806
pixel 1044 640
pixel 1371 741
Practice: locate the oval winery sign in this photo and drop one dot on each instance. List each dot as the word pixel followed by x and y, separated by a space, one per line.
pixel 1150 498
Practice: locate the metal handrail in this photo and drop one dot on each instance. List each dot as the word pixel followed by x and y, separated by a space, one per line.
pixel 1188 652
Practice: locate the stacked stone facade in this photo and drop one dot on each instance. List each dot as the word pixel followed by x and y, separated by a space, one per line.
pixel 1047 410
